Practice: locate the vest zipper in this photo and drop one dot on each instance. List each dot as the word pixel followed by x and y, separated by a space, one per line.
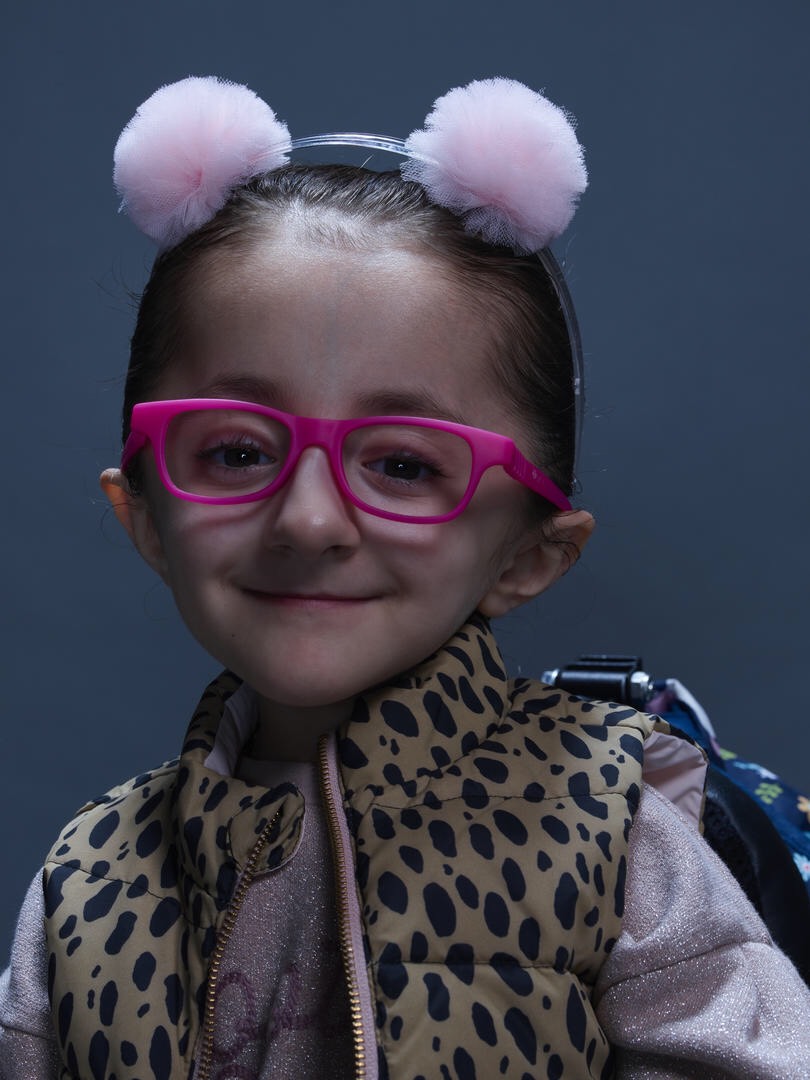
pixel 240 892
pixel 350 943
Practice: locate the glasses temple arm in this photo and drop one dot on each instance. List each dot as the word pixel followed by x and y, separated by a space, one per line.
pixel 136 441
pixel 520 468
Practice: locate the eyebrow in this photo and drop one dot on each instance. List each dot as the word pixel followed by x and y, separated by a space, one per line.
pixel 247 388
pixel 417 402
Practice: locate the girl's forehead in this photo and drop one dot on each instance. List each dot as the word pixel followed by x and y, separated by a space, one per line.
pixel 326 332
pixel 334 302
pixel 292 264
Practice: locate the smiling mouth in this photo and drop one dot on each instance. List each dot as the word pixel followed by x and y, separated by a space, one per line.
pixel 293 599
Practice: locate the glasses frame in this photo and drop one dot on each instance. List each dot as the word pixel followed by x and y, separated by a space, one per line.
pixel 150 423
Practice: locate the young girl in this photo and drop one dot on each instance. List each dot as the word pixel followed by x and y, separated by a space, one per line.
pixel 349 433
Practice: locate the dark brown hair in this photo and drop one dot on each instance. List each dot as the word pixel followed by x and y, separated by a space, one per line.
pixel 531 354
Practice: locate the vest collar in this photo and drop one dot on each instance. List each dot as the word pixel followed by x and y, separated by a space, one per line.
pixel 403 733
pixel 219 819
pixel 409 731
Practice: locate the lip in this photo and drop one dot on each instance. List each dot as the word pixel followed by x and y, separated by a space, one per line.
pixel 307 600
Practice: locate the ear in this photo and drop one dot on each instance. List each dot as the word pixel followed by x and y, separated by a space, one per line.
pixel 537 565
pixel 134 514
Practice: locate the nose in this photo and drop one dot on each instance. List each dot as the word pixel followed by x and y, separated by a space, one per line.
pixel 308 514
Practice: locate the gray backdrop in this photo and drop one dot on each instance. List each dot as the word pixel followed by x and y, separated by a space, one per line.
pixel 687 261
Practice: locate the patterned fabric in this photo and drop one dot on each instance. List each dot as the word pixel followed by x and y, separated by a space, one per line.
pixel 787 807
pixel 136 891
pixel 489 824
pixel 490 821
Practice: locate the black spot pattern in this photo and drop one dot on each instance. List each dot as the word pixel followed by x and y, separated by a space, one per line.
pixel 529 938
pixel 497 840
pixel 174 997
pixel 129 1053
pixel 481 840
pixel 479 812
pixel 108 999
pixel 99 1056
pixel 393 892
pixel 513 879
pixel 121 933
pixel 439 714
pixel 438 997
pixel 443 838
pixel 144 970
pixel 440 909
pixel 522 1031
pixel 510 826
pixel 575 746
pixel 399 719
pixel 101 903
pixel 496 914
pixel 63 1017
pixel 575 1018
pixel 391 972
pixel 412 857
pixel 149 840
pixel 160 1054
pixel 467 890
pixel 101 833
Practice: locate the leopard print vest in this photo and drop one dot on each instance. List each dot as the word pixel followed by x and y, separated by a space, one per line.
pixel 488 823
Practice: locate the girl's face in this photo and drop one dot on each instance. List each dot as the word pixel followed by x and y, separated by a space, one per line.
pixel 303 595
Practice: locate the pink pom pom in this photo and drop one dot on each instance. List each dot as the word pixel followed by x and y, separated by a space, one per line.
pixel 187 147
pixel 504 158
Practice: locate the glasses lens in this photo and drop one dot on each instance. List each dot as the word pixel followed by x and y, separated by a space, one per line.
pixel 409 470
pixel 222 452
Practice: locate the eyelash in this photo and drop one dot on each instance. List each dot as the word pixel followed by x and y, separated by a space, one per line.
pixel 410 457
pixel 231 442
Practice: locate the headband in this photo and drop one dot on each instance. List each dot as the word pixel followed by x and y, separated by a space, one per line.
pixel 495 153
pixel 500 156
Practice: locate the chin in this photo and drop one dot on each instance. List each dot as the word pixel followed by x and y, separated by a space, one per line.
pixel 312 696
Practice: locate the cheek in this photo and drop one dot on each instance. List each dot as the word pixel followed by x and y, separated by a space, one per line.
pixel 507 540
pixel 502 519
pixel 197 539
pixel 451 564
pixel 418 548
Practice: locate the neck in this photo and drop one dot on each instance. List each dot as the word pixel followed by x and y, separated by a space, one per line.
pixel 290 732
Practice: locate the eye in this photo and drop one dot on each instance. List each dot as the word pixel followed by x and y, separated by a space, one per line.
pixel 236 455
pixel 238 452
pixel 404 467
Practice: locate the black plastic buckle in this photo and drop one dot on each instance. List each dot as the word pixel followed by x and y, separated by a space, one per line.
pixel 605 677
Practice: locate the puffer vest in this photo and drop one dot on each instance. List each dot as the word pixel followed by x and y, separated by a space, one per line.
pixel 480 832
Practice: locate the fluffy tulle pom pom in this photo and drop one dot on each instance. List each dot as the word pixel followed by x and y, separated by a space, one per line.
pixel 187 147
pixel 504 158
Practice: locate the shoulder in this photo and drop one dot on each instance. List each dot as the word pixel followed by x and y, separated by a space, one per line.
pixel 681 902
pixel 675 880
pixel 582 725
pixel 692 948
pixel 105 828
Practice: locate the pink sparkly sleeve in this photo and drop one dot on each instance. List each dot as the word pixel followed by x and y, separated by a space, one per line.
pixel 27 1043
pixel 694 986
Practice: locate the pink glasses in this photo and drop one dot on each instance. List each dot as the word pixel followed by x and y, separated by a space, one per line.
pixel 404 468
